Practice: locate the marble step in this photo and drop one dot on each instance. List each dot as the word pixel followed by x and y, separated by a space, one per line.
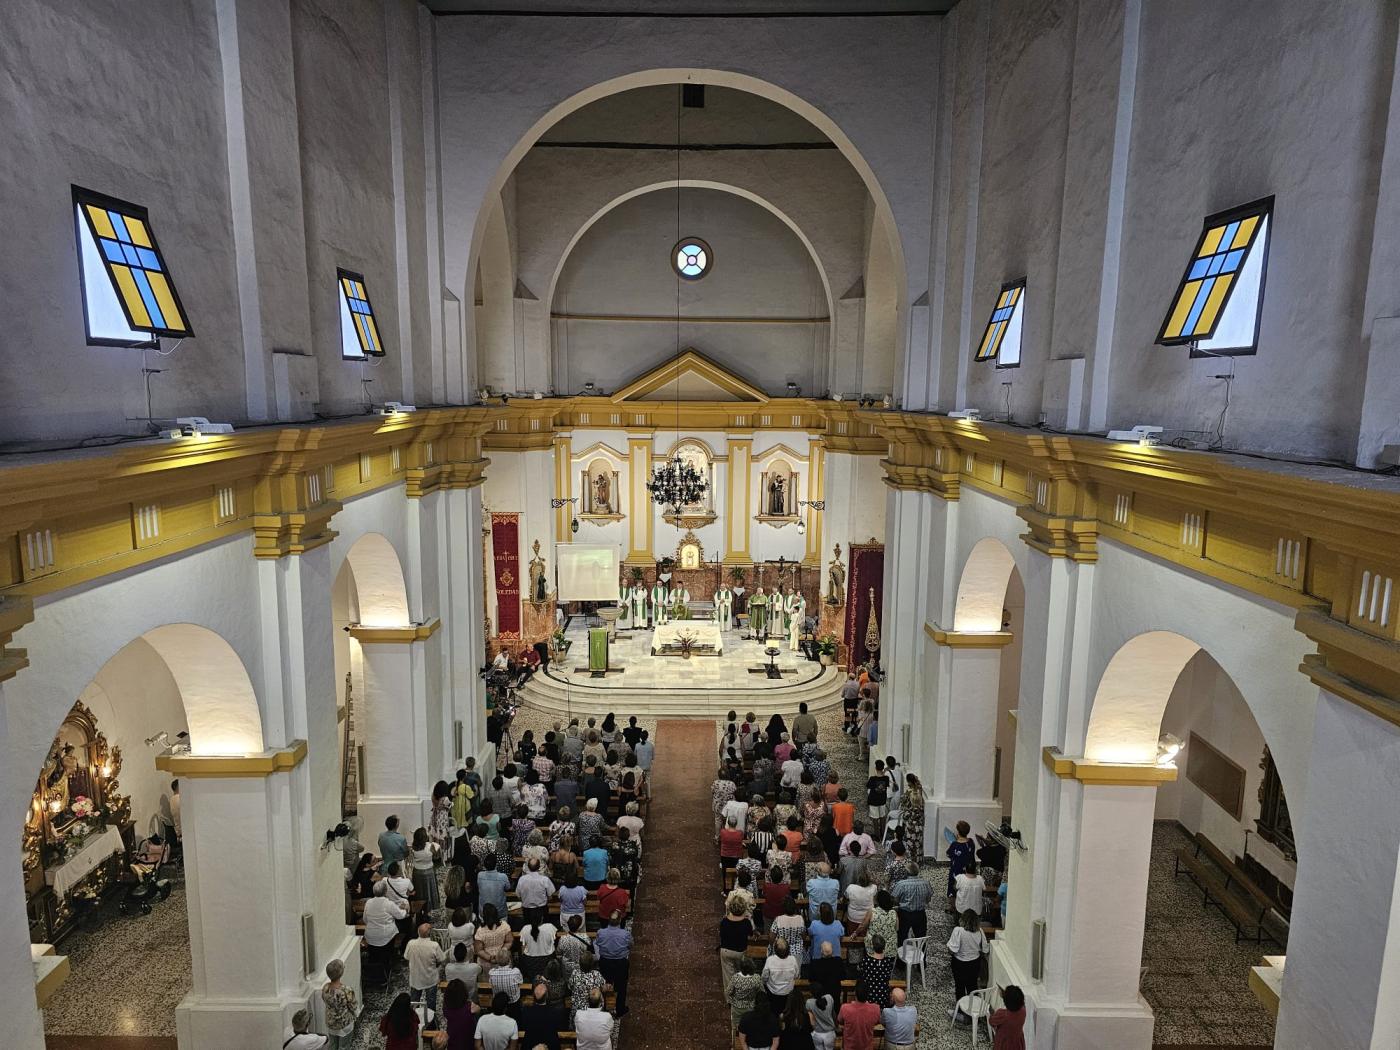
pixel 587 695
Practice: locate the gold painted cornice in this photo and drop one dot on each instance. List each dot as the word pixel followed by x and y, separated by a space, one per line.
pixel 15 612
pixel 1060 537
pixel 405 635
pixel 968 639
pixel 1103 774
pixel 1352 664
pixel 264 764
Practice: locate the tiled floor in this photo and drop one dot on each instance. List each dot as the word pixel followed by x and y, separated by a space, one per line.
pixel 128 973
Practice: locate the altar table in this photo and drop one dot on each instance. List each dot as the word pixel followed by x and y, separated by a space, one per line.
pixel 79 866
pixel 704 632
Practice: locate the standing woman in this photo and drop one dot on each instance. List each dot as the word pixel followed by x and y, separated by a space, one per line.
pixel 440 823
pixel 422 858
pixel 462 795
pixel 961 853
pixel 399 1026
pixel 967 945
pixel 911 815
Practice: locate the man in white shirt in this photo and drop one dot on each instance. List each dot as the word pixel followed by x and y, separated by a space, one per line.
pixel 792 773
pixel 738 809
pixel 382 916
pixel 781 970
pixel 593 1025
pixel 425 960
pixel 302 1038
pixel 497 1030
pixel 535 888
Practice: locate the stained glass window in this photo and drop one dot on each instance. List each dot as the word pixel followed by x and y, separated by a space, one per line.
pixel 1216 308
pixel 129 296
pixel 691 258
pixel 1002 339
pixel 359 334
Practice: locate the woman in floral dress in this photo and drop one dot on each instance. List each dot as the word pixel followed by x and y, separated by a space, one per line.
pixel 911 815
pixel 812 812
pixel 440 824
pixel 721 792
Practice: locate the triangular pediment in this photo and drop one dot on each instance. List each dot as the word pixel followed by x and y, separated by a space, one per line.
pixel 691 376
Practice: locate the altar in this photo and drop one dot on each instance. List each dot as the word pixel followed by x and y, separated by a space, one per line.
pixel 64 877
pixel 704 634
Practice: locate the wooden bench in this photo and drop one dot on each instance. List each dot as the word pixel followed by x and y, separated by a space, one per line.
pixel 1223 884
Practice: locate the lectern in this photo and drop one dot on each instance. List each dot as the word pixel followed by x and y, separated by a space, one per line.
pixel 597 651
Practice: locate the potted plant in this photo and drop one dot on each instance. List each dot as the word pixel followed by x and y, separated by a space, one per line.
pixel 560 644
pixel 686 644
pixel 826 650
pixel 637 574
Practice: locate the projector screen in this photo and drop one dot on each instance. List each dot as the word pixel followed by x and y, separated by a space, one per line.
pixel 586 573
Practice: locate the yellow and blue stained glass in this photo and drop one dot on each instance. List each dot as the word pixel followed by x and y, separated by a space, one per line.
pixel 135 266
pixel 1003 314
pixel 356 300
pixel 1213 273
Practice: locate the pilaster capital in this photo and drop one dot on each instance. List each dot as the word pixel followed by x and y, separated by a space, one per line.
pixel 400 635
pixel 1105 774
pixel 968 639
pixel 1060 536
pixel 15 612
pixel 263 764
pixel 1352 664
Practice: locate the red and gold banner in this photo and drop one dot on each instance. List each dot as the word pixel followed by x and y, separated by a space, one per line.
pixel 867 572
pixel 505 550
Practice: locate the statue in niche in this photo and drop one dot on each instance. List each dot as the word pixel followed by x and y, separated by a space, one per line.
pixel 777 503
pixel 539 587
pixel 836 580
pixel 602 494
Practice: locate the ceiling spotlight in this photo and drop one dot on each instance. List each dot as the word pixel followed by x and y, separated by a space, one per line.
pixel 1168 747
pixel 970 415
pixel 1142 434
pixel 195 426
pixel 395 408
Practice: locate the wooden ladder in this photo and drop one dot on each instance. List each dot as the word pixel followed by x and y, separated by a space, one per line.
pixel 350 785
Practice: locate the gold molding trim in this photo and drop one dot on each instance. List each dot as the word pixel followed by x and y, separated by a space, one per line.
pixel 261 765
pixel 1352 664
pixel 968 639
pixel 405 635
pixel 15 612
pixel 1105 774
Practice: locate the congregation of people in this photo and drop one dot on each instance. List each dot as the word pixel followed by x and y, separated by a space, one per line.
pixel 826 899
pixel 509 913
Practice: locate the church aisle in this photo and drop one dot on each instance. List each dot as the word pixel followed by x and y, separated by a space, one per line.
pixel 674 991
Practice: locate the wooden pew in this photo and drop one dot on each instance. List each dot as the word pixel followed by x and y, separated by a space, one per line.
pixel 1227 887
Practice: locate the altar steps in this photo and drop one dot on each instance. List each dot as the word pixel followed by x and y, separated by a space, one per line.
pixel 587 695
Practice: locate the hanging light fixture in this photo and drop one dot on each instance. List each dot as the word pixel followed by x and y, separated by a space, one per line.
pixel 677 483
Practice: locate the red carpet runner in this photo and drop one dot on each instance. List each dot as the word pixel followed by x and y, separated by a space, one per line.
pixel 674 989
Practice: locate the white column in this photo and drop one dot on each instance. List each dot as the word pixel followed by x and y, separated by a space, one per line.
pixel 398 775
pixel 902 624
pixel 1339 986
pixel 463 644
pixel 242 850
pixel 964 752
pixel 24 1024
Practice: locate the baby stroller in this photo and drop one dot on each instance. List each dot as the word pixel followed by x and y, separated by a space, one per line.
pixel 149 888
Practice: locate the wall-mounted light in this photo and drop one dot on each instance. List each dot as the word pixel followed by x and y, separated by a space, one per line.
pixel 573 526
pixel 1168 748
pixel 55 805
pixel 1142 434
pixel 106 771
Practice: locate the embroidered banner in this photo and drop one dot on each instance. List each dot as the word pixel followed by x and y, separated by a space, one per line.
pixel 867 571
pixel 505 549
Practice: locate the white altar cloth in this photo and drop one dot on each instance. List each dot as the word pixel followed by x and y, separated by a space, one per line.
pixel 705 632
pixel 77 867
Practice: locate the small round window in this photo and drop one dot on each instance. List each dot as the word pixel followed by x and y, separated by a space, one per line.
pixel 691 258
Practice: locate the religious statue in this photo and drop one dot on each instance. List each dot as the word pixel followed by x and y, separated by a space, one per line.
pixel 777 505
pixel 659 607
pixel 602 494
pixel 836 580
pixel 724 608
pixel 68 778
pixel 758 614
pixel 539 585
pixel 797 613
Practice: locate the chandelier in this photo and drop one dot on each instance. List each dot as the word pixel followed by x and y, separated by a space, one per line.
pixel 677 484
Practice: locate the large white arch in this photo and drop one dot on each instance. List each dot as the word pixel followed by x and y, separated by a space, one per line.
pixel 220 704
pixel 982 587
pixel 379 581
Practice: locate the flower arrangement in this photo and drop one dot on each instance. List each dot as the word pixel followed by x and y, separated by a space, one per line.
pixel 88 819
pixel 83 807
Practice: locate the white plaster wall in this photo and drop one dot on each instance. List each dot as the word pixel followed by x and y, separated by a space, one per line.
pixel 622 266
pixel 866 80
pixel 1224 104
pixel 1253 642
pixel 134 697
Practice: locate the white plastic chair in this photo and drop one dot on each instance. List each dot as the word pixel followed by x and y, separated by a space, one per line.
pixel 911 954
pixel 978 1005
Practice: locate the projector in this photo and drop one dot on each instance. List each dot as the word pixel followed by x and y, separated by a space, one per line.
pixel 969 414
pixel 1142 434
pixel 394 408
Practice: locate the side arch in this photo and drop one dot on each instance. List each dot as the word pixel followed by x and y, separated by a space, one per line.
pixel 379 581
